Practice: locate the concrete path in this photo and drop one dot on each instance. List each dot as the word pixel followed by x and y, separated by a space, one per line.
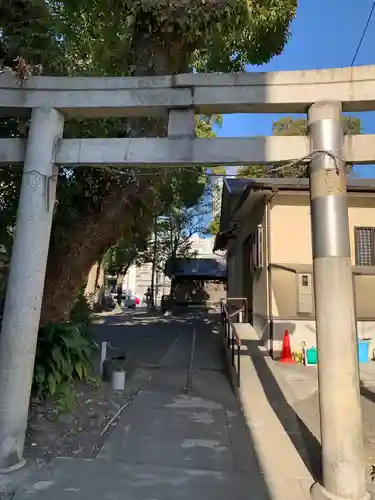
pixel 144 337
pixel 271 421
pixel 168 445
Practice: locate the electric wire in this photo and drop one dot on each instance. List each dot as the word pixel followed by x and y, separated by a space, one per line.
pixel 363 34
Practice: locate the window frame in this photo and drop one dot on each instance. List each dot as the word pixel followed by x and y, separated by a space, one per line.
pixel 357 231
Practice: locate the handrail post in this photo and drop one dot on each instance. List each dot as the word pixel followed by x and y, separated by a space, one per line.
pixel 238 365
pixel 233 353
pixel 243 310
pixel 240 316
pixel 190 368
pixel 228 331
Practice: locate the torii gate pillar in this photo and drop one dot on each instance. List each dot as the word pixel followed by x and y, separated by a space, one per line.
pixel 344 473
pixel 26 282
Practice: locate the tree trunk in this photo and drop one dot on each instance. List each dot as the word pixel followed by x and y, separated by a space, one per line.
pixel 69 261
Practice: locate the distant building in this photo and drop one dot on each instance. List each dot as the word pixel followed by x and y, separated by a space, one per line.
pixel 199 281
pixel 138 279
pixel 203 246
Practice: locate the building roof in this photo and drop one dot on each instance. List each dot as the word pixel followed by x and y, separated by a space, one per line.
pixel 200 268
pixel 237 190
pixel 237 185
pixel 293 184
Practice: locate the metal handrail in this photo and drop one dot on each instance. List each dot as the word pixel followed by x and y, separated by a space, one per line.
pixel 191 360
pixel 232 337
pixel 244 307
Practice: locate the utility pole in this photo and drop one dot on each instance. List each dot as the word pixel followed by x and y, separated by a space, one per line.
pixel 344 474
pixel 153 264
pixel 24 295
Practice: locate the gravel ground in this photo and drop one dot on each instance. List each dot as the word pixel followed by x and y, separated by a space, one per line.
pixel 76 433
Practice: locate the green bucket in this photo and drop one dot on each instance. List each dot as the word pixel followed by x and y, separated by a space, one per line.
pixel 312 356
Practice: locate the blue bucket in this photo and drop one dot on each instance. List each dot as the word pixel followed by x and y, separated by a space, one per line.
pixel 363 351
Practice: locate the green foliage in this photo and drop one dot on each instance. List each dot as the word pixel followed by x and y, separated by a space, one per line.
pixel 210 35
pixel 131 37
pixel 299 126
pixel 173 230
pixel 65 397
pixel 253 171
pixel 106 37
pixel 63 354
pixel 214 225
pixel 184 207
pixel 82 309
pixel 288 126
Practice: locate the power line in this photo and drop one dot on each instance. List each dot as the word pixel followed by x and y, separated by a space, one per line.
pixel 304 160
pixel 363 33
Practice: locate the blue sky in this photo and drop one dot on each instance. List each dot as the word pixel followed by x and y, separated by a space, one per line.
pixel 325 34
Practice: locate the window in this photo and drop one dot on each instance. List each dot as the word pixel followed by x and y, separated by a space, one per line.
pixel 364 246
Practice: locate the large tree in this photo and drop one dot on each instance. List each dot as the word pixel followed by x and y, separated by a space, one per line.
pixel 128 37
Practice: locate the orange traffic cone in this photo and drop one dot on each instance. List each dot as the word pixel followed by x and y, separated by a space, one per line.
pixel 286 351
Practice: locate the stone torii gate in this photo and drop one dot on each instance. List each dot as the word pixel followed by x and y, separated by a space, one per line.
pixel 322 94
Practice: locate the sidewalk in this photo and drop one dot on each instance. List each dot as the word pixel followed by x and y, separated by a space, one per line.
pixel 272 423
pixel 168 445
pixel 301 386
pixel 281 406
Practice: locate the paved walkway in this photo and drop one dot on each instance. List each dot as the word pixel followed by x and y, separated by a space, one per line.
pixel 272 422
pixel 168 445
pixel 301 387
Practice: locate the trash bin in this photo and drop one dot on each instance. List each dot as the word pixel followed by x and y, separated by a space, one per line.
pixel 363 350
pixel 311 356
pixel 165 303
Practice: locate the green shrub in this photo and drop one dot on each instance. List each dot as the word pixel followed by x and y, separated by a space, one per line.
pixel 82 309
pixel 63 353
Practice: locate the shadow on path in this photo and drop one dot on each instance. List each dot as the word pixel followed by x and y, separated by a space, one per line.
pixel 168 444
pixel 303 440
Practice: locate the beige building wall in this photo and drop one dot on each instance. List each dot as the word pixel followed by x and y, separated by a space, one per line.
pixel 291 248
pixel 243 280
pixel 290 229
pixel 95 278
pixel 291 225
pixel 364 290
pixel 292 255
pixel 235 269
